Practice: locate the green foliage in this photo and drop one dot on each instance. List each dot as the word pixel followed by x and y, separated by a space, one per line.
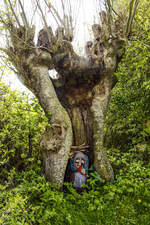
pixel 21 124
pixel 35 201
pixel 128 118
pixel 26 198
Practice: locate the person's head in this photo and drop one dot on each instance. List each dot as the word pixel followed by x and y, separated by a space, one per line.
pixel 79 162
pixel 79 159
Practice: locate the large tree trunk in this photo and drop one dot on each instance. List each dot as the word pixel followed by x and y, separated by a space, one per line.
pixel 57 139
pixel 75 103
pixel 99 109
pixel 87 110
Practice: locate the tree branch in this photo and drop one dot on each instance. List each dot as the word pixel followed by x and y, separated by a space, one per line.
pixel 76 71
pixel 23 15
pixel 57 14
pixel 52 12
pixel 133 14
pixel 132 10
pixel 12 9
pixel 44 20
pixel 4 50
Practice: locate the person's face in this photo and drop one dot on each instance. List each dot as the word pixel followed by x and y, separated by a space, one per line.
pixel 79 162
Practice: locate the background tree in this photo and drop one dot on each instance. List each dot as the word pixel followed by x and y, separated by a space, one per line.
pixel 127 122
pixel 75 103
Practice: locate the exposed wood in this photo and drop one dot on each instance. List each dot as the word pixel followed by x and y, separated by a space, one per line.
pixel 80 147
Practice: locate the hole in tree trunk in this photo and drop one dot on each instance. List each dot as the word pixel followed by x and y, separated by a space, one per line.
pixel 81 153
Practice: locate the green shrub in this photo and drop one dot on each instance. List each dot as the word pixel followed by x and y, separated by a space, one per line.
pixel 21 123
pixel 36 201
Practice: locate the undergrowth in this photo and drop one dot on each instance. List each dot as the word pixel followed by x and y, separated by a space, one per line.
pixel 32 200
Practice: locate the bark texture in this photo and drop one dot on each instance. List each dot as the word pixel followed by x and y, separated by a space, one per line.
pixel 75 103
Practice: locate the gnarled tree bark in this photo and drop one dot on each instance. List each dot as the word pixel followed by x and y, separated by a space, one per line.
pixel 76 103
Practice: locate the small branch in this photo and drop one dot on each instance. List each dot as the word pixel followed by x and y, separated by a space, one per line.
pixel 34 11
pixel 111 6
pixel 11 68
pixel 109 14
pixel 52 13
pixel 17 20
pixel 6 25
pixel 44 20
pixel 63 7
pixel 7 64
pixel 43 17
pixel 129 17
pixel 4 50
pixel 23 15
pixel 133 15
pixel 7 14
pixel 57 14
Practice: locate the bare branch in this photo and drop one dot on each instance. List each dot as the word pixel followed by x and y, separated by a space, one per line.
pixel 109 14
pixel 57 14
pixel 114 11
pixel 52 13
pixel 129 17
pixel 7 14
pixel 7 62
pixel 4 50
pixel 66 22
pixel 133 14
pixel 23 15
pixel 132 10
pixel 44 20
pixel 12 68
pixel 63 7
pixel 13 12
pixel 2 20
pixel 33 14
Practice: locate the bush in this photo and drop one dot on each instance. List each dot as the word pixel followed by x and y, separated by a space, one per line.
pixel 36 201
pixel 22 122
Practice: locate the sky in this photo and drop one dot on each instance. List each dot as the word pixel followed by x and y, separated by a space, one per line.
pixel 85 13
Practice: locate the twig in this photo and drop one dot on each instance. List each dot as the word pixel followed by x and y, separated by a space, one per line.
pixel 44 20
pixel 23 15
pixel 33 14
pixel 4 50
pixel 133 14
pixel 7 14
pixel 52 12
pixel 7 25
pixel 57 14
pixel 17 20
pixel 129 17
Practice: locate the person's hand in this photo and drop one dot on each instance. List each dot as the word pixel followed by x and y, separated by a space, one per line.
pixel 82 162
pixel 83 171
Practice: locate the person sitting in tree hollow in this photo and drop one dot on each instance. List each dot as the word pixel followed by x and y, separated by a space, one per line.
pixel 79 166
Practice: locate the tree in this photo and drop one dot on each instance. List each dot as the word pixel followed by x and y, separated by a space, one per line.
pixel 129 112
pixel 76 103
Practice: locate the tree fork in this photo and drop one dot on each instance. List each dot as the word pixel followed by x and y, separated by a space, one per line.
pixel 75 103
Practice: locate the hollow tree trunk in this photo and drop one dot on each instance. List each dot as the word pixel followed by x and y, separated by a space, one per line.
pixel 75 103
pixel 87 110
